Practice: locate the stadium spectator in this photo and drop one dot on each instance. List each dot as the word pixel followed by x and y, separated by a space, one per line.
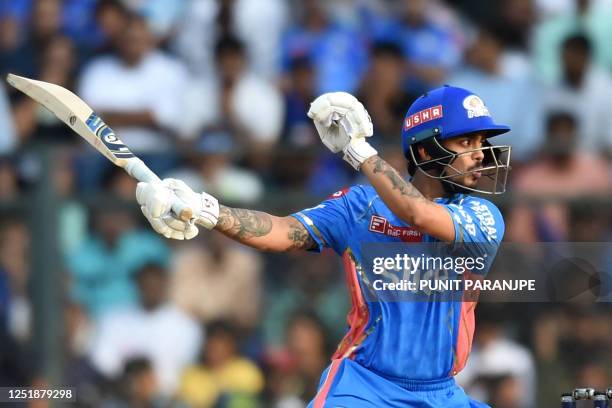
pixel 211 166
pixel 589 16
pixel 510 96
pixel 44 22
pixel 498 362
pixel 218 281
pixel 232 100
pixel 111 17
pixel 138 91
pixel 155 329
pixel 258 23
pixel 585 90
pixel 304 282
pixel 382 90
pixel 138 387
pixel 298 130
pixel 308 345
pixel 559 172
pixel 222 377
pixel 9 179
pixel 430 48
pixel 102 266
pixel 58 63
pixel 338 53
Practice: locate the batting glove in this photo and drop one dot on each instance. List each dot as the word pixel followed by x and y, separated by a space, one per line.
pixel 343 124
pixel 156 202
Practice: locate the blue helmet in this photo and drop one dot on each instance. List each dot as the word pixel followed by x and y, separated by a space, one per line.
pixel 448 112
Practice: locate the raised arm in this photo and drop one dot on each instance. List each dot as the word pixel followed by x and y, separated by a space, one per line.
pixel 343 125
pixel 407 202
pixel 263 231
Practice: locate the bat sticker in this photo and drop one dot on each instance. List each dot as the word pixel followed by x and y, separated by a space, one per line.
pixel 107 136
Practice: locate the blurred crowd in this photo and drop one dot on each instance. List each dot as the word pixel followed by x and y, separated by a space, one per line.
pixel 215 92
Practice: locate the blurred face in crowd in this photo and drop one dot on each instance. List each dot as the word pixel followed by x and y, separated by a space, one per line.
pixel 303 78
pixel 111 224
pixel 561 138
pixel 136 41
pixel 306 343
pixel 485 52
pixel 220 348
pixel 152 286
pixel 46 18
pixel 414 11
pixel 144 386
pixel 507 394
pixel 576 59
pixel 314 14
pixel 232 63
pixel 387 71
pixel 111 19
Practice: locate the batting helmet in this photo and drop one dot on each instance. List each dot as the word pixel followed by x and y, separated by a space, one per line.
pixel 442 114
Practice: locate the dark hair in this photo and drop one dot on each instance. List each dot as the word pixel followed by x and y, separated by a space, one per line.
pixel 114 4
pixel 223 328
pixel 387 49
pixel 136 366
pixel 229 45
pixel 560 116
pixel 151 268
pixel 578 41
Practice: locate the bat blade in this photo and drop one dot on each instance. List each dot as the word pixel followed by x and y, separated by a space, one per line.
pixel 75 113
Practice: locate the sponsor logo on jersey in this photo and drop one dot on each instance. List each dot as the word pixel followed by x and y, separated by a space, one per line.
pixel 423 116
pixel 339 193
pixel 381 225
pixel 475 107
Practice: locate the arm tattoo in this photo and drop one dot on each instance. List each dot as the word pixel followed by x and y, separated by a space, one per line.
pixel 299 236
pixel 243 224
pixel 398 183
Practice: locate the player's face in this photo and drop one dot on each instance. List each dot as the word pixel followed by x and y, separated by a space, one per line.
pixel 469 158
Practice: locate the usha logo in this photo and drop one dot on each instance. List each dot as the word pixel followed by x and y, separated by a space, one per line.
pixel 423 116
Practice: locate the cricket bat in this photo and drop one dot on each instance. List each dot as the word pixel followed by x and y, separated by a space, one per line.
pixel 75 113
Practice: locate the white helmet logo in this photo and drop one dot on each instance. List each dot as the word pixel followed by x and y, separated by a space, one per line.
pixel 475 107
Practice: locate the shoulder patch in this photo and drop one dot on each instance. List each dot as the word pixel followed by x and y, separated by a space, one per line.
pixel 339 193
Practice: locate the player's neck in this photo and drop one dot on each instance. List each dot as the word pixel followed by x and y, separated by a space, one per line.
pixel 431 188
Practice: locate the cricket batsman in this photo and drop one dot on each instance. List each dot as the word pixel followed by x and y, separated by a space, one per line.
pixel 394 354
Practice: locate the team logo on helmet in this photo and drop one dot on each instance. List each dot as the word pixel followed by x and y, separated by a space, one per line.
pixel 475 107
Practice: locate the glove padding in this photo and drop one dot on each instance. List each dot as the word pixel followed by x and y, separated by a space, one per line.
pixel 156 202
pixel 343 123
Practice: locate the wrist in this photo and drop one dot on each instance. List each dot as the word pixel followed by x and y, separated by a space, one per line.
pixel 357 151
pixel 208 216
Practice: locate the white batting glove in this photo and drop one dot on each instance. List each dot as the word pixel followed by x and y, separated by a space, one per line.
pixel 156 202
pixel 343 123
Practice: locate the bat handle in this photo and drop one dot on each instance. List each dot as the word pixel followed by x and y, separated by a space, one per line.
pixel 141 172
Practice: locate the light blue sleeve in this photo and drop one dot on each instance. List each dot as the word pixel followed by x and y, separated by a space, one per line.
pixel 479 229
pixel 328 223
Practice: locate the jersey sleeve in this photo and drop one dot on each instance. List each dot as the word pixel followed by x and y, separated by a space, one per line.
pixel 479 228
pixel 328 223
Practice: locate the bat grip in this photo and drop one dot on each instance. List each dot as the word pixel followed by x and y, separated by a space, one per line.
pixel 141 172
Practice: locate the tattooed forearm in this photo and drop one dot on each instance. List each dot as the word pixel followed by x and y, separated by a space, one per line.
pixel 243 224
pixel 299 236
pixel 397 182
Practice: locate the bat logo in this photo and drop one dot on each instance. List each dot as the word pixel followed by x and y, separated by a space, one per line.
pixel 72 120
pixel 107 136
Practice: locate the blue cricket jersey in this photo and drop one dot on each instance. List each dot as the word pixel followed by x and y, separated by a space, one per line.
pixel 400 340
